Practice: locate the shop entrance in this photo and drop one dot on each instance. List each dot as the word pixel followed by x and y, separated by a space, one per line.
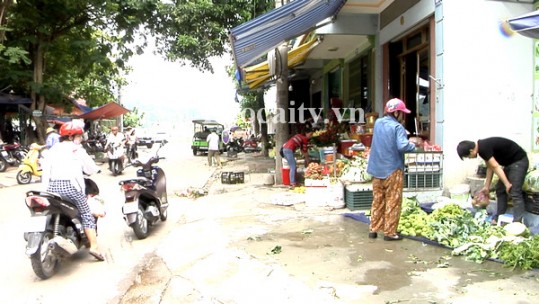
pixel 409 67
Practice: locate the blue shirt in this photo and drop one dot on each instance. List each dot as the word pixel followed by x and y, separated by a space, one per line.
pixel 389 143
pixel 52 139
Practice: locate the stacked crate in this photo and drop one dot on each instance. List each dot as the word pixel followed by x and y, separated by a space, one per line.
pixel 423 170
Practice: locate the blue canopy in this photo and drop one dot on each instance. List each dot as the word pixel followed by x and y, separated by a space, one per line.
pixel 526 25
pixel 254 38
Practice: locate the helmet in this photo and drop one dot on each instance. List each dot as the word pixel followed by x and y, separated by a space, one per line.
pixel 70 129
pixel 49 130
pixel 396 104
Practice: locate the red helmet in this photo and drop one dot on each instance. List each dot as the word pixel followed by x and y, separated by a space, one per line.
pixel 70 129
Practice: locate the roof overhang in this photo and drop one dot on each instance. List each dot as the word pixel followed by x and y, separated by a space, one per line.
pixel 110 110
pixel 253 39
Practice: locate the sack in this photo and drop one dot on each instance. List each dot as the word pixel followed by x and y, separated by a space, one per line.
pixel 281 152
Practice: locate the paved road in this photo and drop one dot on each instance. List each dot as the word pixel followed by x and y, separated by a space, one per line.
pixel 105 281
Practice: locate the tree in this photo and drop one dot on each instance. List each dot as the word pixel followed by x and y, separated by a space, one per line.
pixel 79 48
pixel 133 118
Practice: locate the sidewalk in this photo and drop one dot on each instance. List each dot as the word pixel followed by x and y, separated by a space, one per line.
pixel 235 246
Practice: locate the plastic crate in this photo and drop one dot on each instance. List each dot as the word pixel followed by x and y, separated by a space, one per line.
pixel 422 180
pixel 358 199
pixel 232 177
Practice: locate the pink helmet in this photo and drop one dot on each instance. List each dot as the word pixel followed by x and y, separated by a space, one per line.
pixel 396 104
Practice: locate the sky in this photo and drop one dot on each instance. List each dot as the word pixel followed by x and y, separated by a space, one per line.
pixel 171 94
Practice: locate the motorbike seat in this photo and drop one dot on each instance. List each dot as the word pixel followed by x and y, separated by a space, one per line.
pixel 50 195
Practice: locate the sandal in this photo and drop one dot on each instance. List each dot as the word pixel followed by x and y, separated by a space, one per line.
pixel 98 256
pixel 395 237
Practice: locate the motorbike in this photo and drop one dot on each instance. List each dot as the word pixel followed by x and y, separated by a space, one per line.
pixel 116 157
pixel 54 230
pixel 251 145
pixel 95 143
pixel 146 199
pixel 29 166
pixel 131 152
pixel 11 154
pixel 234 146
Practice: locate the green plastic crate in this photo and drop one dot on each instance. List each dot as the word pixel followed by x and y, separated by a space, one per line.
pixel 358 200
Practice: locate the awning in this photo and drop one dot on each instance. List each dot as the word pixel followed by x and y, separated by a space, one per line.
pixel 109 110
pixel 258 74
pixel 526 25
pixel 256 37
pixel 10 103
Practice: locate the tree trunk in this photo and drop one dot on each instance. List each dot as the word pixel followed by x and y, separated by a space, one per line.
pixel 38 100
pixel 281 127
pixel 4 8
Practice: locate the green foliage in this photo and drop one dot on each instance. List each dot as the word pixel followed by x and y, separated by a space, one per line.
pixel 133 118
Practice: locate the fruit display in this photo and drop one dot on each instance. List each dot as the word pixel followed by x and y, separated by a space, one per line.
pixel 320 171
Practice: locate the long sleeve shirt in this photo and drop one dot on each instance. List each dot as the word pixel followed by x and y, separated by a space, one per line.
pixel 389 143
pixel 297 141
pixel 67 161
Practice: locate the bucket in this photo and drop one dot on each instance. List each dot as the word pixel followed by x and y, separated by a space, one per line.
pixel 460 192
pixel 286 176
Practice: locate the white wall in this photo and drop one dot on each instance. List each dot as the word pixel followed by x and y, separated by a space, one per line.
pixel 487 79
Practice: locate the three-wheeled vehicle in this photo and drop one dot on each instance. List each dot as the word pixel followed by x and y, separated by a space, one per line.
pixel 201 129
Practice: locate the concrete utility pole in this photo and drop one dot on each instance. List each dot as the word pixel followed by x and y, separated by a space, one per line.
pixel 281 127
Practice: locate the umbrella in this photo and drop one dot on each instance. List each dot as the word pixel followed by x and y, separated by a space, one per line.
pixel 234 128
pixel 526 25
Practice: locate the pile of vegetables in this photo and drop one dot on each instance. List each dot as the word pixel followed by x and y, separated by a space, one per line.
pixel 356 171
pixel 471 236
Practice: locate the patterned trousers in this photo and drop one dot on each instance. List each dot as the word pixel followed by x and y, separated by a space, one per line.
pixel 387 203
pixel 65 188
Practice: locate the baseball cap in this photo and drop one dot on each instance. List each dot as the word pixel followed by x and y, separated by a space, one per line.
pixel 396 104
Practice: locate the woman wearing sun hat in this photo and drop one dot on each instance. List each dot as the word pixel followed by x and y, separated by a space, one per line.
pixel 52 137
pixel 386 165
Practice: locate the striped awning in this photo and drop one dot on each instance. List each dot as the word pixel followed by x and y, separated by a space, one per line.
pixel 253 39
pixel 258 74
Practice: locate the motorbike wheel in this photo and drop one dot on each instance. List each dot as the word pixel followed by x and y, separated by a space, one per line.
pixel 44 263
pixel 3 165
pixel 115 168
pixel 24 177
pixel 140 226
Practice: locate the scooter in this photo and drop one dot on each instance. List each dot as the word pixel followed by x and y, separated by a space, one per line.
pixel 12 155
pixel 54 230
pixel 116 157
pixel 30 166
pixel 146 199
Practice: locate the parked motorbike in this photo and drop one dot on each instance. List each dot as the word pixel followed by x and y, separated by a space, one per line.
pixel 234 146
pixel 54 231
pixel 95 143
pixel 146 199
pixel 30 166
pixel 11 155
pixel 251 145
pixel 116 157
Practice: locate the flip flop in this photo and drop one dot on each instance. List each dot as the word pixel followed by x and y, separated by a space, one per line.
pixel 98 256
pixel 393 238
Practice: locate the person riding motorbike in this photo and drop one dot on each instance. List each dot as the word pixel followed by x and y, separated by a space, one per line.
pixel 63 170
pixel 114 139
pixel 131 143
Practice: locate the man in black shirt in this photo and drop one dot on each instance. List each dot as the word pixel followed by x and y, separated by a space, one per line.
pixel 509 161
